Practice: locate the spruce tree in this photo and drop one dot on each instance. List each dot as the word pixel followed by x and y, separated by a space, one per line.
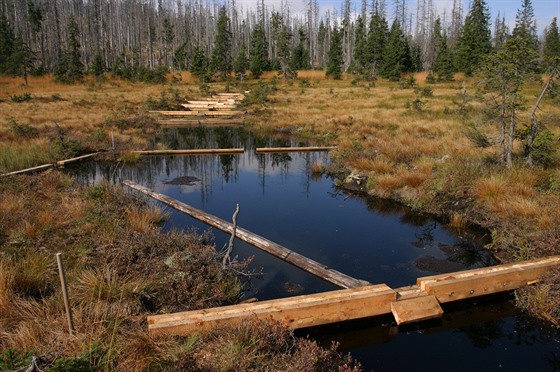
pixel 199 63
pixel 282 40
pixel 70 68
pixel 335 56
pixel 378 36
pixel 168 35
pixel 551 48
pixel 258 52
pixel 97 67
pixel 525 25
pixel 221 60
pixel 241 63
pixel 180 57
pixel 505 72
pixel 359 59
pixel 474 42
pixel 20 63
pixel 300 54
pixel 396 58
pixel 7 44
pixel 443 65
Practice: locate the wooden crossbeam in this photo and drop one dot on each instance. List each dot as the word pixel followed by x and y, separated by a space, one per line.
pixel 296 312
pixel 487 280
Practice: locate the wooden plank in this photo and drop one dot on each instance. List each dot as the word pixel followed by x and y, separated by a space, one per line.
pixel 296 312
pixel 488 280
pixel 221 99
pixel 178 113
pixel 78 158
pixel 208 107
pixel 30 170
pixel 190 151
pixel 208 101
pixel 293 149
pixel 416 309
pixel 230 94
pixel 202 122
pixel 200 113
pixel 222 113
pixel 304 263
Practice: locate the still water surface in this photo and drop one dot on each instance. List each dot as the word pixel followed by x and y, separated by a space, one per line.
pixel 371 239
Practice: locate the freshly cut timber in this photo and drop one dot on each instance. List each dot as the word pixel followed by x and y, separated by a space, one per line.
pixel 296 312
pixel 408 304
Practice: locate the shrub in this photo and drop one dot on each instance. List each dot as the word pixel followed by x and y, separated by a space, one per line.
pixel 21 130
pixel 21 98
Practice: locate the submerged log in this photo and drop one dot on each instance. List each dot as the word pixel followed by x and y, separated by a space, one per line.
pixel 294 258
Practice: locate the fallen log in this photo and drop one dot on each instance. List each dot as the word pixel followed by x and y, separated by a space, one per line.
pixel 30 170
pixel 294 258
pixel 78 158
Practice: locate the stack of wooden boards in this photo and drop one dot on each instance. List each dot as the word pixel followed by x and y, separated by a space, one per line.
pixel 219 109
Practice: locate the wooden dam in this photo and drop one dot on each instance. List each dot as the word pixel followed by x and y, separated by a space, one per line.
pixel 359 299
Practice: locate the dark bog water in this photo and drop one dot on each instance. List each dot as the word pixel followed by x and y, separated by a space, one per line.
pixel 378 241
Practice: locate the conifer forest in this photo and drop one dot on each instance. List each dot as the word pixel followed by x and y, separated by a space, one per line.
pixel 141 39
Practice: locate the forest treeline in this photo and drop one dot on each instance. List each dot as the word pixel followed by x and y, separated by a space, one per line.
pixel 144 39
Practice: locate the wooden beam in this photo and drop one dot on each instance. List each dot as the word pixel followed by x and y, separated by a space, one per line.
pixel 177 113
pixel 202 122
pixel 296 312
pixel 78 158
pixel 293 149
pixel 304 263
pixel 208 107
pixel 408 304
pixel 487 280
pixel 190 151
pixel 30 170
pixel 200 113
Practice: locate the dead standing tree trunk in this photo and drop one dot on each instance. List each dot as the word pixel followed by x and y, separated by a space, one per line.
pixel 534 122
pixel 227 254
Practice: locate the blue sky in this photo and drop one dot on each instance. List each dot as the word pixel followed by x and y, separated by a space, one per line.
pixel 545 10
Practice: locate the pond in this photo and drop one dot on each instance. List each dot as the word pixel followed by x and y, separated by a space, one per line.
pixel 281 199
